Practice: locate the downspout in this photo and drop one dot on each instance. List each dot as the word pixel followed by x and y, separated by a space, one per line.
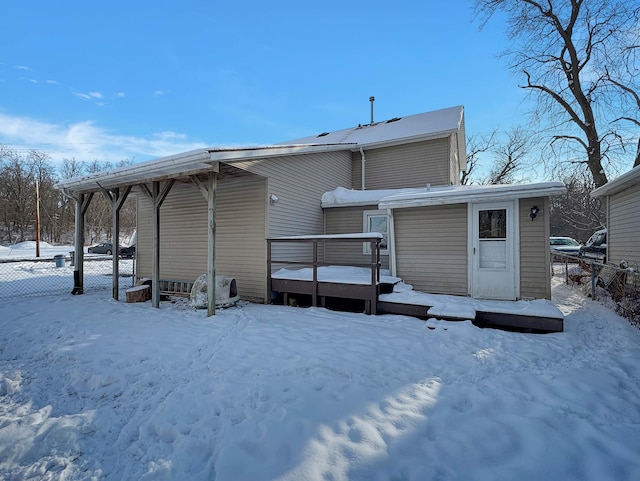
pixel 362 168
pixel 392 243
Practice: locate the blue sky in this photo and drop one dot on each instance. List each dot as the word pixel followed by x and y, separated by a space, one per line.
pixel 140 80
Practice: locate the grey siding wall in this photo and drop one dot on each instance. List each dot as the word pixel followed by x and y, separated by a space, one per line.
pixel 431 248
pixel 623 240
pixel 347 220
pixel 535 268
pixel 240 239
pixel 409 165
pixel 299 182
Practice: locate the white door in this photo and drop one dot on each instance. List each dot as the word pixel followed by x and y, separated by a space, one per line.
pixel 493 273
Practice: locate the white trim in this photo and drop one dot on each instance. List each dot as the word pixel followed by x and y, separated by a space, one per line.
pixel 512 246
pixel 470 194
pixel 624 181
pixel 516 245
pixel 391 242
pixel 366 215
pixel 470 254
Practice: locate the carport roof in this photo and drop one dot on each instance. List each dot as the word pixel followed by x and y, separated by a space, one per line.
pixel 184 164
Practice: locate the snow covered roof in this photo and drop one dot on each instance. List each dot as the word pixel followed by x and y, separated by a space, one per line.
pixel 428 125
pixel 624 181
pixel 187 163
pixel 341 197
pixel 455 194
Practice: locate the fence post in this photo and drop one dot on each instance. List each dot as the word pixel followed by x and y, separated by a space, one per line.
pixel 593 281
pixel 566 270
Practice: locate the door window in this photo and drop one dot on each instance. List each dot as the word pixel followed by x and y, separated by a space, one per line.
pixel 376 221
pixel 492 239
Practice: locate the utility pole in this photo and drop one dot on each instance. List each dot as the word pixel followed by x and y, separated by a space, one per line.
pixel 37 220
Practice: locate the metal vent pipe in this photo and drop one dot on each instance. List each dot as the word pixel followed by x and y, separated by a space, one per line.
pixel 372 99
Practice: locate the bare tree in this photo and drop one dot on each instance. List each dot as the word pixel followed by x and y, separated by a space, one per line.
pixel 576 214
pixel 578 60
pixel 510 157
pixel 476 146
pixel 507 157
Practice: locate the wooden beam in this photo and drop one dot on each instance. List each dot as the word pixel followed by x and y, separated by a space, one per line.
pixel 82 204
pixel 211 243
pixel 117 199
pixel 204 188
pixel 158 193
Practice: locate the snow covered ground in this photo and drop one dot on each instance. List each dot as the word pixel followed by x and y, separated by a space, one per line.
pixel 27 250
pixel 91 388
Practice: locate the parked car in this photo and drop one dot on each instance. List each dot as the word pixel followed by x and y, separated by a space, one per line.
pixel 107 248
pixel 128 252
pixel 596 247
pixel 564 245
pixel 104 248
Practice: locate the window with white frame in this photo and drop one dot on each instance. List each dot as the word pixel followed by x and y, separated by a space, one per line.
pixel 376 221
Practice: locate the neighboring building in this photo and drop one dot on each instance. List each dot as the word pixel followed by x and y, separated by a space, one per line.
pixel 272 191
pixel 621 198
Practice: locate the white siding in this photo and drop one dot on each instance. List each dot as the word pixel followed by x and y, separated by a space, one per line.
pixel 410 165
pixel 431 248
pixel 623 239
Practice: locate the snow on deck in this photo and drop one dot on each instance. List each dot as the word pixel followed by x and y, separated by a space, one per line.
pixel 336 274
pixel 441 305
pixel 466 307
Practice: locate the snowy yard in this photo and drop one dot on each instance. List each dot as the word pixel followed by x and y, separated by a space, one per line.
pixel 95 389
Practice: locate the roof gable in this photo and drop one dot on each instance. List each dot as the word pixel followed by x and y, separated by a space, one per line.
pixel 435 124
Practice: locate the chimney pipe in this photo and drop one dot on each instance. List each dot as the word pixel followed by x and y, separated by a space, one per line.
pixel 372 99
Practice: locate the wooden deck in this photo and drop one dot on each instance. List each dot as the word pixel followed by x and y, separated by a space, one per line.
pixel 317 288
pixel 514 321
pixel 313 284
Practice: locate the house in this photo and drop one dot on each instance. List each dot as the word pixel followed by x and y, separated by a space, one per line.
pixel 211 210
pixel 621 197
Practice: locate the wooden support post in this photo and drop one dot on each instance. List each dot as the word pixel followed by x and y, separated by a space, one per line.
pixel 211 251
pixel 209 191
pixel 268 296
pixel 157 194
pixel 82 204
pixel 314 300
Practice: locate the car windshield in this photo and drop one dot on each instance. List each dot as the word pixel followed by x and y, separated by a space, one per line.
pixel 564 242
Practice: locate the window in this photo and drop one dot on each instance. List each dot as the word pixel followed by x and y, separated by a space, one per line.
pixel 376 221
pixel 492 239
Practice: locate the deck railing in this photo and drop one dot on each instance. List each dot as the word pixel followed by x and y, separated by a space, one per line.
pixel 368 293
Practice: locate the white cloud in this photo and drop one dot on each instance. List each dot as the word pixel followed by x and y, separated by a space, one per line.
pixel 89 95
pixel 22 67
pixel 158 93
pixel 119 94
pixel 52 82
pixel 88 141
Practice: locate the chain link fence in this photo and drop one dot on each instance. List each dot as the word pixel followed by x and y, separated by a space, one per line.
pixel 54 275
pixel 601 281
